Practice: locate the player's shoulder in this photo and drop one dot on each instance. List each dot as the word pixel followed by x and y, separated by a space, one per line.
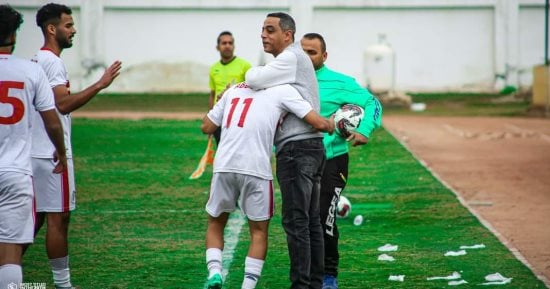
pixel 46 56
pixel 26 65
pixel 337 75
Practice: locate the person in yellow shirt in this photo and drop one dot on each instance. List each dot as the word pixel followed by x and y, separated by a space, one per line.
pixel 229 70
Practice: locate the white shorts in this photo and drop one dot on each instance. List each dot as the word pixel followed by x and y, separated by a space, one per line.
pixel 55 193
pixel 254 195
pixel 16 208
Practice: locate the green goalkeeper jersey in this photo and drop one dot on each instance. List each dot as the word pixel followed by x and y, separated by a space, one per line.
pixel 337 89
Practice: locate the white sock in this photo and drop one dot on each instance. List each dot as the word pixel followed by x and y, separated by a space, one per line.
pixel 252 272
pixel 10 273
pixel 61 272
pixel 214 261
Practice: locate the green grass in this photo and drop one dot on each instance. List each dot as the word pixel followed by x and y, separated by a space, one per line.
pixel 465 104
pixel 440 104
pixel 140 222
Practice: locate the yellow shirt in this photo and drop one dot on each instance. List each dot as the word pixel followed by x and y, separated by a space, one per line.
pixel 230 73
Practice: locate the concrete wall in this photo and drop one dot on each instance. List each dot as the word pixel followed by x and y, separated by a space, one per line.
pixel 167 45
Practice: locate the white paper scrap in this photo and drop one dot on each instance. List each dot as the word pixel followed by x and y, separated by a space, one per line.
pixel 455 253
pixel 496 279
pixel 399 278
pixel 476 246
pixel 456 283
pixel 388 248
pixel 498 282
pixel 386 257
pixel 453 276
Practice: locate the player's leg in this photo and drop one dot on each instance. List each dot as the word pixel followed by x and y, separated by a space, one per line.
pixel 332 184
pixel 16 224
pixel 257 204
pixel 214 249
pixel 55 196
pixel 10 264
pixel 222 200
pixel 257 251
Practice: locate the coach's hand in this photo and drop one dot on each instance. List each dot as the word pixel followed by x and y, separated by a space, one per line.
pixel 358 139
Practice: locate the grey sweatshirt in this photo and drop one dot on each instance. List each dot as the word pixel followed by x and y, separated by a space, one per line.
pixel 293 67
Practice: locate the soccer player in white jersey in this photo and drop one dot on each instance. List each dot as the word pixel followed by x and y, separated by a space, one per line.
pixel 55 194
pixel 242 168
pixel 23 88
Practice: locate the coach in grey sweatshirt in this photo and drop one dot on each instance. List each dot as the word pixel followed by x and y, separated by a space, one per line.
pixel 300 151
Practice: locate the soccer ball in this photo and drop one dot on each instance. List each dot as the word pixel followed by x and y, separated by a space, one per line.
pixel 343 209
pixel 347 118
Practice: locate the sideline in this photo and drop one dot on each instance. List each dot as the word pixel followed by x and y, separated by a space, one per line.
pixel 482 220
pixel 138 115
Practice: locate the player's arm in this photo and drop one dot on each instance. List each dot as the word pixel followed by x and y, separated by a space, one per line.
pixel 208 126
pixel 55 132
pixel 282 70
pixel 66 103
pixel 212 120
pixel 211 99
pixel 320 123
pixel 371 120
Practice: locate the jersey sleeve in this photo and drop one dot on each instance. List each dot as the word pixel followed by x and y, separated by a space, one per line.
pixel 216 113
pixel 282 70
pixel 44 99
pixel 55 71
pixel 372 118
pixel 293 102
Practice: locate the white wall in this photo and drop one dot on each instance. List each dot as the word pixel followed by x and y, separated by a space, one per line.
pixel 167 45
pixel 435 49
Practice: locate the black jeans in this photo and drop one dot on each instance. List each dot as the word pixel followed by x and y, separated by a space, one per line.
pixel 333 183
pixel 299 169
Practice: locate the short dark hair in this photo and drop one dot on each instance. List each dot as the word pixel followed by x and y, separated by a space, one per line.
pixel 222 34
pixel 10 20
pixel 312 36
pixel 51 14
pixel 286 22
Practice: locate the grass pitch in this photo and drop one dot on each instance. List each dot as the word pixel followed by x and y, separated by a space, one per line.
pixel 140 222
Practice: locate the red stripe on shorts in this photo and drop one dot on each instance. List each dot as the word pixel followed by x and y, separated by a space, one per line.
pixel 65 190
pixel 271 203
pixel 33 203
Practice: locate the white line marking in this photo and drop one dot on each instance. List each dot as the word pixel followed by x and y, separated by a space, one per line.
pixel 484 222
pixel 518 129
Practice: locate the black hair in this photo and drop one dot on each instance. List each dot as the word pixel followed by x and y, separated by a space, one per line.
pixel 51 14
pixel 10 20
pixel 222 34
pixel 312 36
pixel 286 22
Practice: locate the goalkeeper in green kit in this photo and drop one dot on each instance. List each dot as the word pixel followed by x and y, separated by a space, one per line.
pixel 337 89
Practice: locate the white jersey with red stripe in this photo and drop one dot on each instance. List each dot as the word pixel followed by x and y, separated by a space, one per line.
pixel 57 75
pixel 23 90
pixel 249 120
